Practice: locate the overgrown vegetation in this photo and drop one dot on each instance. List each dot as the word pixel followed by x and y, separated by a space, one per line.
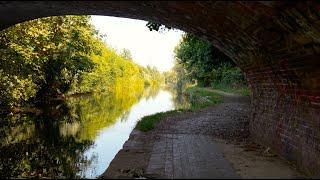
pixel 199 62
pixel 206 66
pixel 53 57
pixel 229 79
pixel 40 58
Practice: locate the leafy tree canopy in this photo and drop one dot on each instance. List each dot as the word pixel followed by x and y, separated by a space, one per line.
pixel 54 56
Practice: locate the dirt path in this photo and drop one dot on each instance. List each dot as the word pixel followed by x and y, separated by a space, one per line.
pixel 210 143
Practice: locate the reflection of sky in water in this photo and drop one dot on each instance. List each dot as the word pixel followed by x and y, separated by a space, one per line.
pixel 111 139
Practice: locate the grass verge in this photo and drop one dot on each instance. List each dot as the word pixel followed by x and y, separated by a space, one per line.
pixel 198 97
pixel 245 91
pixel 147 122
pixel 201 97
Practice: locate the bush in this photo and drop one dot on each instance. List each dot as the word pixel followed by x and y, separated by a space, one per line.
pixel 229 76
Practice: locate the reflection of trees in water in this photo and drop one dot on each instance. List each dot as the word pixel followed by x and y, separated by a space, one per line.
pixel 43 152
pixel 179 100
pixel 124 116
pixel 53 144
pixel 151 91
pixel 101 110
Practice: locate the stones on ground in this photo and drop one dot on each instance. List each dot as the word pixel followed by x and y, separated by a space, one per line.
pixel 186 146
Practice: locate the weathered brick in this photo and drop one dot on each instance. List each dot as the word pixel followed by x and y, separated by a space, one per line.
pixel 276 44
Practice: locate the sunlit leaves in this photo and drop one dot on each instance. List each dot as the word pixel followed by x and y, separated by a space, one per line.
pixel 62 54
pixel 47 51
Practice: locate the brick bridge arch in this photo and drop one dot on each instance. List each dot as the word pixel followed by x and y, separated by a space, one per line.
pixel 276 45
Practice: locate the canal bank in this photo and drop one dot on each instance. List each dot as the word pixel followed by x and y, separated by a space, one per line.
pixel 77 138
pixel 212 142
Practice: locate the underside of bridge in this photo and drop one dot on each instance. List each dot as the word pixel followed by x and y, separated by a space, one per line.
pixel 276 45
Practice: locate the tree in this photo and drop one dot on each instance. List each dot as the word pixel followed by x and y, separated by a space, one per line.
pixel 126 54
pixel 202 61
pixel 45 54
pixel 47 58
pixel 199 58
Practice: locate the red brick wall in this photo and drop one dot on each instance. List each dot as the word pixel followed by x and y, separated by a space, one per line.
pixel 286 88
pixel 286 117
pixel 276 44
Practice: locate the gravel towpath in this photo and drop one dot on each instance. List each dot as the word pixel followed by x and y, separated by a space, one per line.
pixel 189 146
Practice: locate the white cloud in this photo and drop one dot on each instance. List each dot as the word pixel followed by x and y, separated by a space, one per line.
pixel 147 47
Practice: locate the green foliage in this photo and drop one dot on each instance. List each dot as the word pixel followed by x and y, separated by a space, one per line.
pixel 147 123
pixel 206 66
pixel 32 147
pixel 199 58
pixel 229 79
pixel 177 78
pixel 202 97
pixel 14 89
pixel 197 97
pixel 243 90
pixel 51 57
pixel 99 110
pixel 110 71
pixel 198 61
pixel 46 53
pixel 152 77
pixel 53 145
pixel 227 75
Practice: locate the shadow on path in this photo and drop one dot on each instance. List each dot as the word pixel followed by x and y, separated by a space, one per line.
pixel 202 144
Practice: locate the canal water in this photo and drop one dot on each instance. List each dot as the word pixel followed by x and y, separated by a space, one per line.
pixel 77 138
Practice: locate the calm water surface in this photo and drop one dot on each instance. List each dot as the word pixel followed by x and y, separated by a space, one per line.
pixel 78 138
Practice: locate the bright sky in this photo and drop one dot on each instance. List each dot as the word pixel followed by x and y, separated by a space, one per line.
pixel 147 47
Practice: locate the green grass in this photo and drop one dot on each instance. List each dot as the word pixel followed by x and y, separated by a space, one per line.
pixel 245 91
pixel 199 98
pixel 147 122
pixel 202 97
